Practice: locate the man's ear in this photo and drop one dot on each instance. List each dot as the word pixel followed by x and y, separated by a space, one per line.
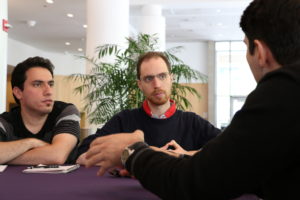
pixel 261 49
pixel 265 56
pixel 17 92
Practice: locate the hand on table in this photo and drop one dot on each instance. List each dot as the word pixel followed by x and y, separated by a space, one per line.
pixel 81 159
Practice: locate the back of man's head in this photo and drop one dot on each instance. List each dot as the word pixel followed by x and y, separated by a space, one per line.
pixel 277 23
pixel 18 76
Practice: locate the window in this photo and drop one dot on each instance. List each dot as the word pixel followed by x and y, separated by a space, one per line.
pixel 234 80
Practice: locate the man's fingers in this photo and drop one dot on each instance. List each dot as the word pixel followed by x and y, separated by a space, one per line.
pixel 104 167
pixel 95 159
pixel 93 150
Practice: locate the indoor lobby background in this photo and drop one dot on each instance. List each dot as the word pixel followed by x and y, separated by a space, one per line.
pixel 208 31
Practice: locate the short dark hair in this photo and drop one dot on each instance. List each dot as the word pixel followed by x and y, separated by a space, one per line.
pixel 18 76
pixel 149 55
pixel 277 23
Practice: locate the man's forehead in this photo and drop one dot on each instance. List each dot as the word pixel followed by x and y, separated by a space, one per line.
pixel 38 73
pixel 156 66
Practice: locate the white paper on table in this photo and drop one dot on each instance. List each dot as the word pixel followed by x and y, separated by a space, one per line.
pixel 2 167
pixel 57 170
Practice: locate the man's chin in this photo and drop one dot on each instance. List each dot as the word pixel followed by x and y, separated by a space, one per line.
pixel 47 110
pixel 158 102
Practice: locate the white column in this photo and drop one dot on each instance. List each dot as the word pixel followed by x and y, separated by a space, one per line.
pixel 152 22
pixel 108 23
pixel 3 56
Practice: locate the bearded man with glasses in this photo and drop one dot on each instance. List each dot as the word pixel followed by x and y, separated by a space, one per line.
pixel 163 125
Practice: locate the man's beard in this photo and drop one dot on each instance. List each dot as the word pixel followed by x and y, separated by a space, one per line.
pixel 158 100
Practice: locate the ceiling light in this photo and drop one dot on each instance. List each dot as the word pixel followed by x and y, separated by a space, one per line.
pixel 84 26
pixel 31 23
pixel 70 15
pixel 50 1
pixel 218 10
pixel 80 49
pixel 67 43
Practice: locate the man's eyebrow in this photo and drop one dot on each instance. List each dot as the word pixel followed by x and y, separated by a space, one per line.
pixel 40 81
pixel 37 81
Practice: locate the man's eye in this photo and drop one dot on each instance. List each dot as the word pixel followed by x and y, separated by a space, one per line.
pixel 162 76
pixel 148 78
pixel 51 84
pixel 36 84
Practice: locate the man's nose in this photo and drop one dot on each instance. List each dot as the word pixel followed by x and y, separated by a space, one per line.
pixel 156 82
pixel 48 90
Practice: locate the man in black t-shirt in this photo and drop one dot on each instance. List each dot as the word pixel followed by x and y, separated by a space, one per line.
pixel 39 130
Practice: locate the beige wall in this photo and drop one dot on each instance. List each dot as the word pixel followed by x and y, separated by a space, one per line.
pixel 199 106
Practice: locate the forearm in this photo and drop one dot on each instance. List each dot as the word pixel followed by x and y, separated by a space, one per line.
pixel 55 153
pixel 42 155
pixel 12 150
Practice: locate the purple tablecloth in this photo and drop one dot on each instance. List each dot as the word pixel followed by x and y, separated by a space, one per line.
pixel 81 184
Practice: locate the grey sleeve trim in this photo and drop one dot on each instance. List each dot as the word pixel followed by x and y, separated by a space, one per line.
pixel 72 117
pixel 2 126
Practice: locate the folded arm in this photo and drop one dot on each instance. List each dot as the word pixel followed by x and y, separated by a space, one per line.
pixel 13 149
pixel 55 153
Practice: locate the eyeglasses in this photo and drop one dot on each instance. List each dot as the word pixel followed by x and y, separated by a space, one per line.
pixel 162 76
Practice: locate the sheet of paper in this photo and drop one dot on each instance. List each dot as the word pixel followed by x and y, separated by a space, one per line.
pixel 55 170
pixel 2 167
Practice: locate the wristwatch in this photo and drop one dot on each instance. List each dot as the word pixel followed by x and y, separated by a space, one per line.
pixel 128 151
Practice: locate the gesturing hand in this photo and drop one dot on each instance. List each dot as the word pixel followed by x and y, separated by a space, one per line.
pixel 106 151
pixel 176 148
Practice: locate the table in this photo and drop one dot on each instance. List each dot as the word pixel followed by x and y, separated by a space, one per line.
pixel 79 184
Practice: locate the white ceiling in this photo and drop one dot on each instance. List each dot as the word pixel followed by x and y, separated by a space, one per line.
pixel 186 20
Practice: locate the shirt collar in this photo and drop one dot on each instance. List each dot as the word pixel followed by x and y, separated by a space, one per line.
pixel 166 115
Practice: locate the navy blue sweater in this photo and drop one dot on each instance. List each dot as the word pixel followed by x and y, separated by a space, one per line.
pixel 188 129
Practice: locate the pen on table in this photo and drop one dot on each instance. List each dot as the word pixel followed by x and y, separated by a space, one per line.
pixel 43 166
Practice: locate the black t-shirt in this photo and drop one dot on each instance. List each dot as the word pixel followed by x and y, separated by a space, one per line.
pixel 64 118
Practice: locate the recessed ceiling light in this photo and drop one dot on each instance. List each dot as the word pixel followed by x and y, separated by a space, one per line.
pixel 50 1
pixel 31 23
pixel 70 15
pixel 67 43
pixel 218 10
pixel 80 49
pixel 84 26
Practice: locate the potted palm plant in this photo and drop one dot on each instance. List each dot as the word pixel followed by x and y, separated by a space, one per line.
pixel 112 87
